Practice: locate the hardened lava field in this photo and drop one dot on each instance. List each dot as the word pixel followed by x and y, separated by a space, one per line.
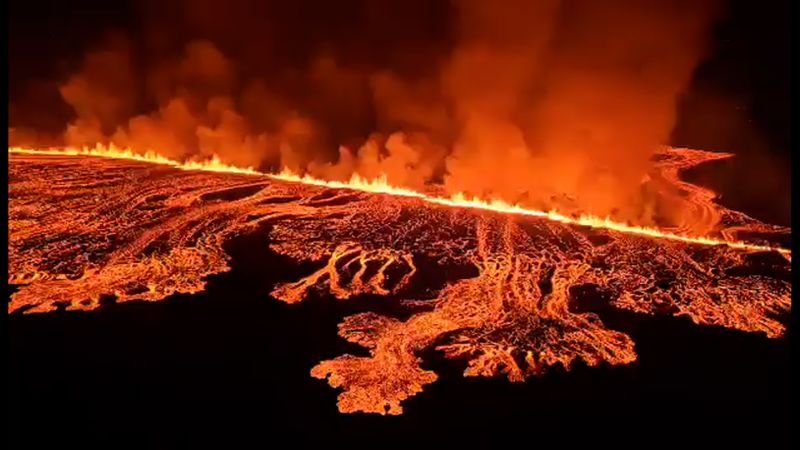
pixel 82 229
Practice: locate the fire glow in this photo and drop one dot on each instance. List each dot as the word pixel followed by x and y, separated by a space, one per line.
pixel 86 230
pixel 381 185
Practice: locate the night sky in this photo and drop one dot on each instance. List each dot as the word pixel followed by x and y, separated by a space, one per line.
pixel 748 67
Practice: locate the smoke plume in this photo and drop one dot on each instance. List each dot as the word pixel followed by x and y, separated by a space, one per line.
pixel 552 103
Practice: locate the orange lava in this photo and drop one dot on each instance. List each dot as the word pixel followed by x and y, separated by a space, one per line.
pixel 112 151
pixel 380 185
pixel 508 289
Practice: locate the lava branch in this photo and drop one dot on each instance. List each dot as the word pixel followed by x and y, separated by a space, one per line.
pixel 381 185
pixel 511 297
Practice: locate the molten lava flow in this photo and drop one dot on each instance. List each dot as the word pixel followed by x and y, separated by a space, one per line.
pixel 512 294
pixel 381 185
pixel 112 151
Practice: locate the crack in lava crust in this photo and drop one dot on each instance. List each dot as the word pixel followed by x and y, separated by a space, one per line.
pixel 83 228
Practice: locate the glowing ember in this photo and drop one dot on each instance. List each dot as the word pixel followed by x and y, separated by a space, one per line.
pixel 83 228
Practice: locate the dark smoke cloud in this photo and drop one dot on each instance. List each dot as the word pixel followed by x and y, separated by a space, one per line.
pixel 553 103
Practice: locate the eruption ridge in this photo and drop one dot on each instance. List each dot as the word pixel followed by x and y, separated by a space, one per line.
pixel 381 186
pixel 85 228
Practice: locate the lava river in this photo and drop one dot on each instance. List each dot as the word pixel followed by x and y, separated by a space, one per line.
pixel 83 228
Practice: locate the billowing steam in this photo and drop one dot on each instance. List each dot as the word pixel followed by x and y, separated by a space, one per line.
pixel 552 103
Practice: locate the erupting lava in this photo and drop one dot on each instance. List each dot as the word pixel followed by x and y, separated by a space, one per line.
pixel 381 185
pixel 105 222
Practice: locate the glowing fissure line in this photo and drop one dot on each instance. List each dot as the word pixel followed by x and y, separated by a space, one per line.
pixel 380 185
